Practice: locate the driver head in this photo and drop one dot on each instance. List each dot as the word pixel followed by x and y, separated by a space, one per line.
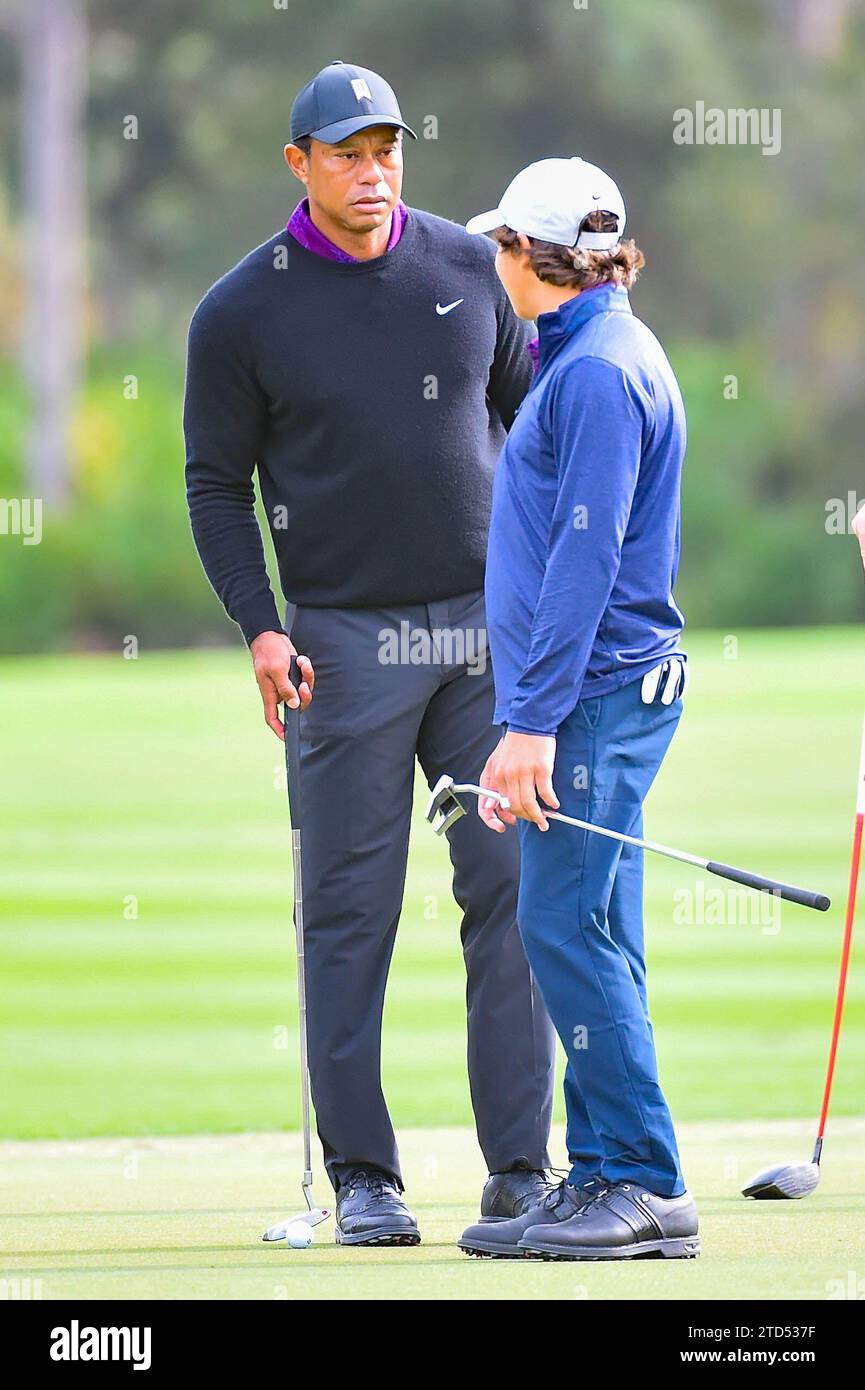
pixel 788 1181
pixel 445 806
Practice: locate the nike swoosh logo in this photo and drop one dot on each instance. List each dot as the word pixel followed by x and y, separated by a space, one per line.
pixel 447 307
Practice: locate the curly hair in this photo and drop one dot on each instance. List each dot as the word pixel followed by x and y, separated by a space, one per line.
pixel 573 266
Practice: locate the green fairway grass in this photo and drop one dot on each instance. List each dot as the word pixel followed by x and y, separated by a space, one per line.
pixel 182 1218
pixel 145 889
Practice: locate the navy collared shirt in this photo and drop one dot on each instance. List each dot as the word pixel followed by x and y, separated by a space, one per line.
pixel 585 530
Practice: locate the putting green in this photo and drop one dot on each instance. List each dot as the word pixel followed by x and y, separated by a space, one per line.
pixel 181 1218
pixel 146 957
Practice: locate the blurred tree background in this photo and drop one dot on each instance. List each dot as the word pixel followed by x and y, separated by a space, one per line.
pixel 753 279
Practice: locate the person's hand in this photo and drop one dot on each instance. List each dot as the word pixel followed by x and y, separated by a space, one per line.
pixel 859 530
pixel 491 812
pixel 520 768
pixel 271 660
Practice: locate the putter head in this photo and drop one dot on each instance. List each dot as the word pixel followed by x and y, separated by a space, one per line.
pixel 444 806
pixel 313 1217
pixel 788 1181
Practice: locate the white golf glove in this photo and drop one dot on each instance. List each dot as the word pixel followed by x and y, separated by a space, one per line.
pixel 670 680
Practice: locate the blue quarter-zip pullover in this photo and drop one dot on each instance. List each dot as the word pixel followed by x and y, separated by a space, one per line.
pixel 584 537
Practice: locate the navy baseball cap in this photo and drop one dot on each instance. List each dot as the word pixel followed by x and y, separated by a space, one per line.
pixel 342 99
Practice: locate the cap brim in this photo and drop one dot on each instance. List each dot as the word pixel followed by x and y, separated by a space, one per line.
pixel 341 130
pixel 485 222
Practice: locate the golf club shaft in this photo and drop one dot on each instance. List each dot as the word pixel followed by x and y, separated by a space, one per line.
pixel 803 896
pixel 845 947
pixel 291 721
pixel 301 1009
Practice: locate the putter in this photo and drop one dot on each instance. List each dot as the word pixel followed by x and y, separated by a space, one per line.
pixel 314 1214
pixel 794 1180
pixel 445 808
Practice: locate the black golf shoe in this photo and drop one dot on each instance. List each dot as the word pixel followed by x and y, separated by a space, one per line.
pixel 370 1211
pixel 623 1222
pixel 511 1193
pixel 497 1238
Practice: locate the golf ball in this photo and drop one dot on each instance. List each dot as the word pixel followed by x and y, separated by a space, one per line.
pixel 299 1235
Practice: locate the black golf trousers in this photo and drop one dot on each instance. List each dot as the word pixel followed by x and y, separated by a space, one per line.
pixel 392 685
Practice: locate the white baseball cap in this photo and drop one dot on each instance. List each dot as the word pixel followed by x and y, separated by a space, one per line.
pixel 549 200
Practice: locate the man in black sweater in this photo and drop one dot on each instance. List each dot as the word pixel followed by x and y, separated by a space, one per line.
pixel 366 362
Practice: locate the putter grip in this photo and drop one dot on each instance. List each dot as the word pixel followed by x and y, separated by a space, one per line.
pixel 291 720
pixel 803 896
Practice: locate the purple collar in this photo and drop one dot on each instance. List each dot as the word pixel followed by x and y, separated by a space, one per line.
pixel 301 226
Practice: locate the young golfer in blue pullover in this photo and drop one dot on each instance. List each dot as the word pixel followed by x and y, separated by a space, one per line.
pixel 584 636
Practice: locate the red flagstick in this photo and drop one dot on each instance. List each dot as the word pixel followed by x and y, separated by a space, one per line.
pixel 845 949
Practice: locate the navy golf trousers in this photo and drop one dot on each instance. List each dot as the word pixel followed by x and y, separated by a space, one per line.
pixel 580 914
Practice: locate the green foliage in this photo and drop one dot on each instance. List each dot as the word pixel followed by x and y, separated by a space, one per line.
pixel 756 548
pixel 121 560
pixel 750 271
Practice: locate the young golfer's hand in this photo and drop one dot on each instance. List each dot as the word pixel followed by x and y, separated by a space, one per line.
pixel 859 529
pixel 271 659
pixel 490 811
pixel 520 768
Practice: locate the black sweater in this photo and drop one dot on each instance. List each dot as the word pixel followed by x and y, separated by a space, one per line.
pixel 374 421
